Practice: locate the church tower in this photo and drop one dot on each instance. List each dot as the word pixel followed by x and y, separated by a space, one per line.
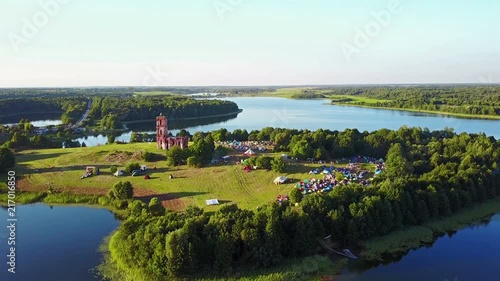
pixel 161 132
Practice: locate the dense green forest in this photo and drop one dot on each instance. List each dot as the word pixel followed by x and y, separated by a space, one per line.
pixel 428 175
pixel 70 108
pixel 111 110
pixel 109 106
pixel 474 100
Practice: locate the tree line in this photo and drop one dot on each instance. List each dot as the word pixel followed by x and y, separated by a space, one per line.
pixel 428 175
pixel 112 110
pixel 476 100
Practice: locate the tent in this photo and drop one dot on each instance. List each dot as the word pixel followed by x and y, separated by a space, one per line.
pixel 212 202
pixel 119 173
pixel 280 180
pixel 249 152
pixel 144 167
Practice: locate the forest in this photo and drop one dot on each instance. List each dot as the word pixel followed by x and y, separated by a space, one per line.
pixel 458 99
pixel 429 174
pixel 112 110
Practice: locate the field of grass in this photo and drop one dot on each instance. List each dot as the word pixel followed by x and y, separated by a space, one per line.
pixel 61 169
pixel 353 99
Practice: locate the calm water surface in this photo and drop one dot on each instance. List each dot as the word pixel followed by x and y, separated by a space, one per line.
pixel 472 254
pixel 57 243
pixel 260 112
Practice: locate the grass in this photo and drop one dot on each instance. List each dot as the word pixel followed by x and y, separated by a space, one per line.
pixel 61 169
pixel 414 237
pixel 351 100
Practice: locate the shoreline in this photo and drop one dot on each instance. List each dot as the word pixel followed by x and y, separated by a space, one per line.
pixel 445 114
pixel 188 118
pixel 396 244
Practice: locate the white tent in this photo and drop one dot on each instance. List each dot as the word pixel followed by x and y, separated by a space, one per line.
pixel 280 180
pixel 144 167
pixel 212 202
pixel 249 152
pixel 119 173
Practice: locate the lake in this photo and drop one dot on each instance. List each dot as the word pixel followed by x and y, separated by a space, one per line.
pixel 60 243
pixel 472 254
pixel 260 112
pixel 55 243
pixel 40 123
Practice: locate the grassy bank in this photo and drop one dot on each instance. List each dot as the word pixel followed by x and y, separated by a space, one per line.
pixel 401 241
pixel 461 115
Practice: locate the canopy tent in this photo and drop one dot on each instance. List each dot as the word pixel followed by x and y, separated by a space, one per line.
pixel 249 152
pixel 212 202
pixel 280 180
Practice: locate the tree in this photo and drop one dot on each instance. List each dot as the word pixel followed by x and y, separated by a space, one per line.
pixel 132 166
pixel 278 164
pixel 177 252
pixel 113 169
pixel 194 161
pixel 7 159
pixel 155 207
pixel 122 190
pixel 175 153
pixel 263 162
pixel 295 195
pixel 396 164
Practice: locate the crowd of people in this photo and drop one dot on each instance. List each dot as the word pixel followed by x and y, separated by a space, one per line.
pixel 245 145
pixel 336 176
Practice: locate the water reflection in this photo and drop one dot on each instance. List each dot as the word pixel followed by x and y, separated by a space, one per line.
pixel 456 253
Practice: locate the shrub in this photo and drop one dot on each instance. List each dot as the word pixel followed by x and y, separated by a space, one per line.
pixel 113 169
pixel 295 195
pixel 155 207
pixel 132 166
pixel 194 161
pixel 278 164
pixel 122 190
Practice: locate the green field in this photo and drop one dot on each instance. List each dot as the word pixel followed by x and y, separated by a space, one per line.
pixel 61 169
pixel 353 99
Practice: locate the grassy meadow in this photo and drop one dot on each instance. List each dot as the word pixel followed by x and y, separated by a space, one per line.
pixel 61 169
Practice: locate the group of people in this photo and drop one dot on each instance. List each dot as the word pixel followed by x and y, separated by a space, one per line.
pixel 282 198
pixel 245 145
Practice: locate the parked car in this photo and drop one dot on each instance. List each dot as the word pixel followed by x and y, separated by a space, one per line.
pixel 137 173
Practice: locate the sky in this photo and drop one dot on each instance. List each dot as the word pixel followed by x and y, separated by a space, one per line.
pixel 66 43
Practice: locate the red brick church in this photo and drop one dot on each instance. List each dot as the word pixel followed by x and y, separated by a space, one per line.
pixel 163 139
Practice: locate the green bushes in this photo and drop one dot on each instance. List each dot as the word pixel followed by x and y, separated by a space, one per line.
pixel 132 166
pixel 122 191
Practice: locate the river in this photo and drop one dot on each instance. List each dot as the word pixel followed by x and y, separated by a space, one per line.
pixel 55 243
pixel 260 112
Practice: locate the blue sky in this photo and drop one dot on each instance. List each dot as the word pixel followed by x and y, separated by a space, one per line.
pixel 247 42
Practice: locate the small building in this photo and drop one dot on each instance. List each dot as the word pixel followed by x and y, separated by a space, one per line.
pixel 163 139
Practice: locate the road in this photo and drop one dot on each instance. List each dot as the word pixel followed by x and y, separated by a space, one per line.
pixel 85 115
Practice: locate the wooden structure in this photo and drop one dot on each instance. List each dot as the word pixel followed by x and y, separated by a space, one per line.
pixel 163 138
